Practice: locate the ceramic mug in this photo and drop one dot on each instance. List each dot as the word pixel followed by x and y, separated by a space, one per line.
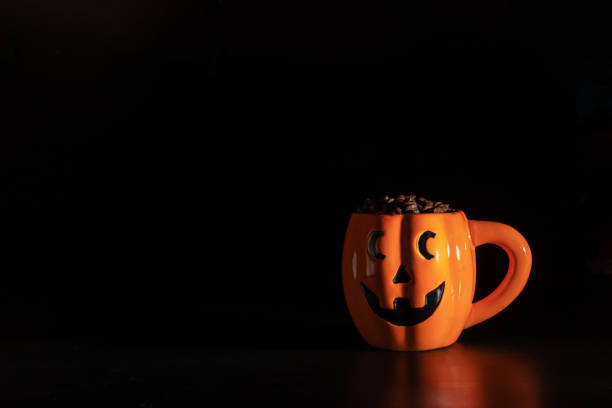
pixel 409 279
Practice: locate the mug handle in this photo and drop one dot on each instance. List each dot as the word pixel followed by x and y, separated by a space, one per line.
pixel 519 255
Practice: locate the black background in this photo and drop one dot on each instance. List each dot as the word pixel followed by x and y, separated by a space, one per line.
pixel 183 173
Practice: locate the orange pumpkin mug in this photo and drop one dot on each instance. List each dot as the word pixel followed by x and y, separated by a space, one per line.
pixel 409 279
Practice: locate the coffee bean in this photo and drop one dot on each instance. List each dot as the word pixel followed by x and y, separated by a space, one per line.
pixel 402 204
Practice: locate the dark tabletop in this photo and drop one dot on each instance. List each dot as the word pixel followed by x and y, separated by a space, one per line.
pixel 481 370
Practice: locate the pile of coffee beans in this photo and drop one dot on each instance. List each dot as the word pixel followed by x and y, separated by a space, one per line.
pixel 403 204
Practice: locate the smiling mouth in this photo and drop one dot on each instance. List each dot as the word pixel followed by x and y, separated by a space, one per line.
pixel 402 314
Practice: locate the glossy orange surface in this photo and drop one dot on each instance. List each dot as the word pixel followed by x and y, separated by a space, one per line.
pixel 433 255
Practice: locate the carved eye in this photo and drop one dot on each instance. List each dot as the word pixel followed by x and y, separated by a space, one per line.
pixel 372 245
pixel 423 243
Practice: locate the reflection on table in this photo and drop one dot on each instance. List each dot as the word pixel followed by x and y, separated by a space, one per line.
pixel 458 376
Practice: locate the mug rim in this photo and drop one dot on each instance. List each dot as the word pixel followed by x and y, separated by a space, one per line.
pixel 409 214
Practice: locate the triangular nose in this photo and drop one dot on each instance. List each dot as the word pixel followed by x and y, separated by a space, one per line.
pixel 401 276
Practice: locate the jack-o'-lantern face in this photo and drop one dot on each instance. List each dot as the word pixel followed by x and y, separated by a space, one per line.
pixel 409 279
pixel 402 313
